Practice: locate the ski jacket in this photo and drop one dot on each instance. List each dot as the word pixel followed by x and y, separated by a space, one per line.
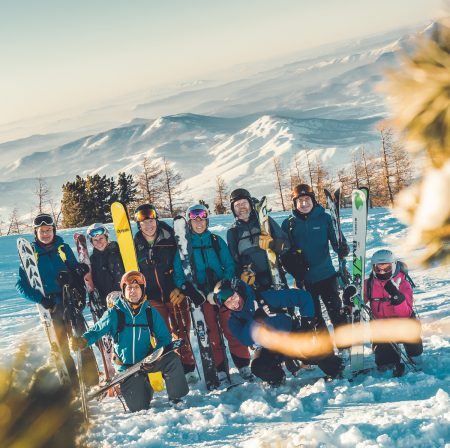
pixel 243 242
pixel 156 262
pixel 379 299
pixel 311 233
pixel 209 263
pixel 241 322
pixel 107 269
pixel 134 341
pixel 50 263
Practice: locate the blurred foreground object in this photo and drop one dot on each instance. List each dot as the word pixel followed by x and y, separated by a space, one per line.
pixel 421 104
pixel 35 410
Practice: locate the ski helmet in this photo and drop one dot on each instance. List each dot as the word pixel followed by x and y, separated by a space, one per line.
pixel 302 190
pixel 131 277
pixel 197 211
pixel 237 194
pixel 383 257
pixel 97 229
pixel 145 211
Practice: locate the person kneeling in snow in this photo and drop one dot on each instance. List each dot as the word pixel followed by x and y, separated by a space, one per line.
pixel 248 307
pixel 390 295
pixel 133 343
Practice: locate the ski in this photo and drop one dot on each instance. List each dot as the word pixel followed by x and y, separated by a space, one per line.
pixel 182 237
pixel 105 345
pixel 125 241
pixel 359 217
pixel 263 217
pixel 333 206
pixel 29 264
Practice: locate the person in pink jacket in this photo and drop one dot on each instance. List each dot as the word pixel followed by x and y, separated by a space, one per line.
pixel 389 294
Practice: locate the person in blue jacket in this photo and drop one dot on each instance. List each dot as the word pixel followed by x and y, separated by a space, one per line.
pixel 310 230
pixel 249 306
pixel 132 322
pixel 55 262
pixel 211 261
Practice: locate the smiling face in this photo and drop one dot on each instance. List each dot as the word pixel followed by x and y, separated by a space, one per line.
pixel 199 225
pixel 242 209
pixel 100 242
pixel 149 228
pixel 133 292
pixel 304 204
pixel 45 234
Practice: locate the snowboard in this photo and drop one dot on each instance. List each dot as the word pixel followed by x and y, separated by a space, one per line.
pixel 140 366
pixel 360 199
pixel 105 345
pixel 182 236
pixel 29 264
pixel 125 241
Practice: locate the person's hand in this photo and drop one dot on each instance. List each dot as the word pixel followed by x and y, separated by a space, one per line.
pixel 343 250
pixel 392 289
pixel 249 277
pixel 48 302
pixel 196 296
pixel 76 343
pixel 176 297
pixel 264 240
pixel 350 291
pixel 262 313
pixel 82 269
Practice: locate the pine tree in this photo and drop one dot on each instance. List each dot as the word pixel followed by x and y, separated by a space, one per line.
pixel 126 189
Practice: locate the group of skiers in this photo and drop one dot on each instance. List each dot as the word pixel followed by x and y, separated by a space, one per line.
pixel 232 282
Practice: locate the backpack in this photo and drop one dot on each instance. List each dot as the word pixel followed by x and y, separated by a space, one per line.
pixel 121 323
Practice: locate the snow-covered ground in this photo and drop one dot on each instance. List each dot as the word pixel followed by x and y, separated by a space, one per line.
pixel 374 411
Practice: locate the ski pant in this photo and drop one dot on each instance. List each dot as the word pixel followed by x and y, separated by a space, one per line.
pixel 137 391
pixel 217 322
pixel 89 363
pixel 178 320
pixel 386 354
pixel 328 291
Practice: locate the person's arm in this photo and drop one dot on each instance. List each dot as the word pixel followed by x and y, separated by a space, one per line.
pixel 241 331
pixel 162 333
pixel 178 273
pixel 115 266
pixel 280 241
pixel 342 249
pixel 232 247
pixel 72 262
pixel 24 288
pixel 290 298
pixel 226 259
pixel 106 325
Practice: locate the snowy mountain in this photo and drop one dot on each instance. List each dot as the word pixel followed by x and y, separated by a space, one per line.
pixel 325 101
pixel 375 410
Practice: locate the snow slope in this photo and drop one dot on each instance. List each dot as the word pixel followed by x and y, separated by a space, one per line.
pixel 374 411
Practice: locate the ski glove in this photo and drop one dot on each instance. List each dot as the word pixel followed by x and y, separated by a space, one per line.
pixel 249 277
pixel 392 289
pixel 76 343
pixel 82 269
pixel 48 302
pixel 347 296
pixel 193 293
pixel 262 313
pixel 265 240
pixel 294 263
pixel 176 297
pixel 343 250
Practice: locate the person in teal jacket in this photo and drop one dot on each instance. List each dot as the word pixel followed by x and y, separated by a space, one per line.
pixel 211 262
pixel 132 322
pixel 310 231
pixel 55 261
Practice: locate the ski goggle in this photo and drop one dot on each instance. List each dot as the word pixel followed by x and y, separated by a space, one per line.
pixel 96 232
pixel 198 213
pixel 382 268
pixel 43 220
pixel 147 213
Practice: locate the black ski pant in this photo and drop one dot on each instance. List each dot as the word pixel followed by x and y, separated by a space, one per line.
pixel 328 291
pixel 386 354
pixel 137 391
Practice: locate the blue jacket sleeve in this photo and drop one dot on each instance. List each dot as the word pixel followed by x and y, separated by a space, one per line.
pixel 287 298
pixel 162 333
pixel 106 325
pixel 178 274
pixel 242 331
pixel 24 288
pixel 226 259
pixel 280 237
pixel 71 260
pixel 331 233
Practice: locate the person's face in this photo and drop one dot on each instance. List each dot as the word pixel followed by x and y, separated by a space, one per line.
pixel 234 302
pixel 99 242
pixel 45 234
pixel 199 225
pixel 242 209
pixel 148 228
pixel 304 204
pixel 133 292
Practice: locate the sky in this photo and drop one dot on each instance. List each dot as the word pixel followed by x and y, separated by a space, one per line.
pixel 60 54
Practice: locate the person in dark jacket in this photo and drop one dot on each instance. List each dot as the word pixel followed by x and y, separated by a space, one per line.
pixel 310 230
pixel 155 249
pixel 211 261
pixel 55 261
pixel 132 344
pixel 248 244
pixel 106 261
pixel 248 306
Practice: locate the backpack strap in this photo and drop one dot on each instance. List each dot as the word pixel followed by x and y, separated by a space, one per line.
pixel 291 227
pixel 215 245
pixel 121 322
